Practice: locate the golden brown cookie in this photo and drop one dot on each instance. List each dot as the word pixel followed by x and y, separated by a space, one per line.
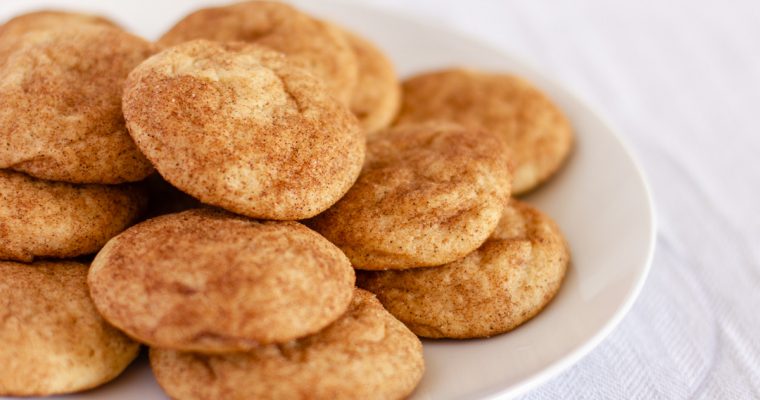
pixel 428 194
pixel 55 219
pixel 238 126
pixel 53 340
pixel 536 130
pixel 209 281
pixel 366 354
pixel 377 96
pixel 49 19
pixel 316 45
pixel 504 283
pixel 60 105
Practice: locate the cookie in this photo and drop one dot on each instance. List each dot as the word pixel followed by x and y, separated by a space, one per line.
pixel 428 195
pixel 209 281
pixel 55 219
pixel 53 340
pixel 367 354
pixel 60 105
pixel 12 31
pixel 538 133
pixel 316 45
pixel 48 19
pixel 238 126
pixel 504 283
pixel 377 96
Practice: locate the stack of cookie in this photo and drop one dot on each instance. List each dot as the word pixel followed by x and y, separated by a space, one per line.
pixel 238 308
pixel 256 116
pixel 429 221
pixel 66 167
pixel 249 109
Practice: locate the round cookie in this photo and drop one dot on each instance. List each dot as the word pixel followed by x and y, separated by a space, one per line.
pixel 538 133
pixel 14 29
pixel 428 194
pixel 60 105
pixel 377 96
pixel 504 283
pixel 316 45
pixel 205 280
pixel 48 19
pixel 366 354
pixel 238 126
pixel 55 219
pixel 53 340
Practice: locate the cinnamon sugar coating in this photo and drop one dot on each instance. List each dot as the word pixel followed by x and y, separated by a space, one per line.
pixel 428 194
pixel 366 354
pixel 318 46
pixel 53 339
pixel 60 104
pixel 538 133
pixel 210 281
pixel 492 290
pixel 377 96
pixel 240 127
pixel 56 219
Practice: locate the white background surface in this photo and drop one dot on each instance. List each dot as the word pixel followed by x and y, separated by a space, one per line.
pixel 681 80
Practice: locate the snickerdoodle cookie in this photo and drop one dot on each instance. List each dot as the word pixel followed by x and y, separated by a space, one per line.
pixel 377 96
pixel 238 126
pixel 210 281
pixel 316 45
pixel 366 354
pixel 53 340
pixel 55 219
pixel 48 19
pixel 504 283
pixel 428 194
pixel 60 104
pixel 536 130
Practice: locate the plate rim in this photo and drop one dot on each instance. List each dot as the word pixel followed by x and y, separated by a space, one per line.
pixel 564 363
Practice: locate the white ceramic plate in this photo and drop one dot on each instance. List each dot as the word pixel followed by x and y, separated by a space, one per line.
pixel 600 201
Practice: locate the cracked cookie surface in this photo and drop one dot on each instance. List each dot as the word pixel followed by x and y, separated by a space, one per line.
pixel 492 290
pixel 428 194
pixel 238 126
pixel 60 104
pixel 317 46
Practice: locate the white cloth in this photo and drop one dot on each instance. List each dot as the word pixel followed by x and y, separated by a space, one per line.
pixel 682 80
